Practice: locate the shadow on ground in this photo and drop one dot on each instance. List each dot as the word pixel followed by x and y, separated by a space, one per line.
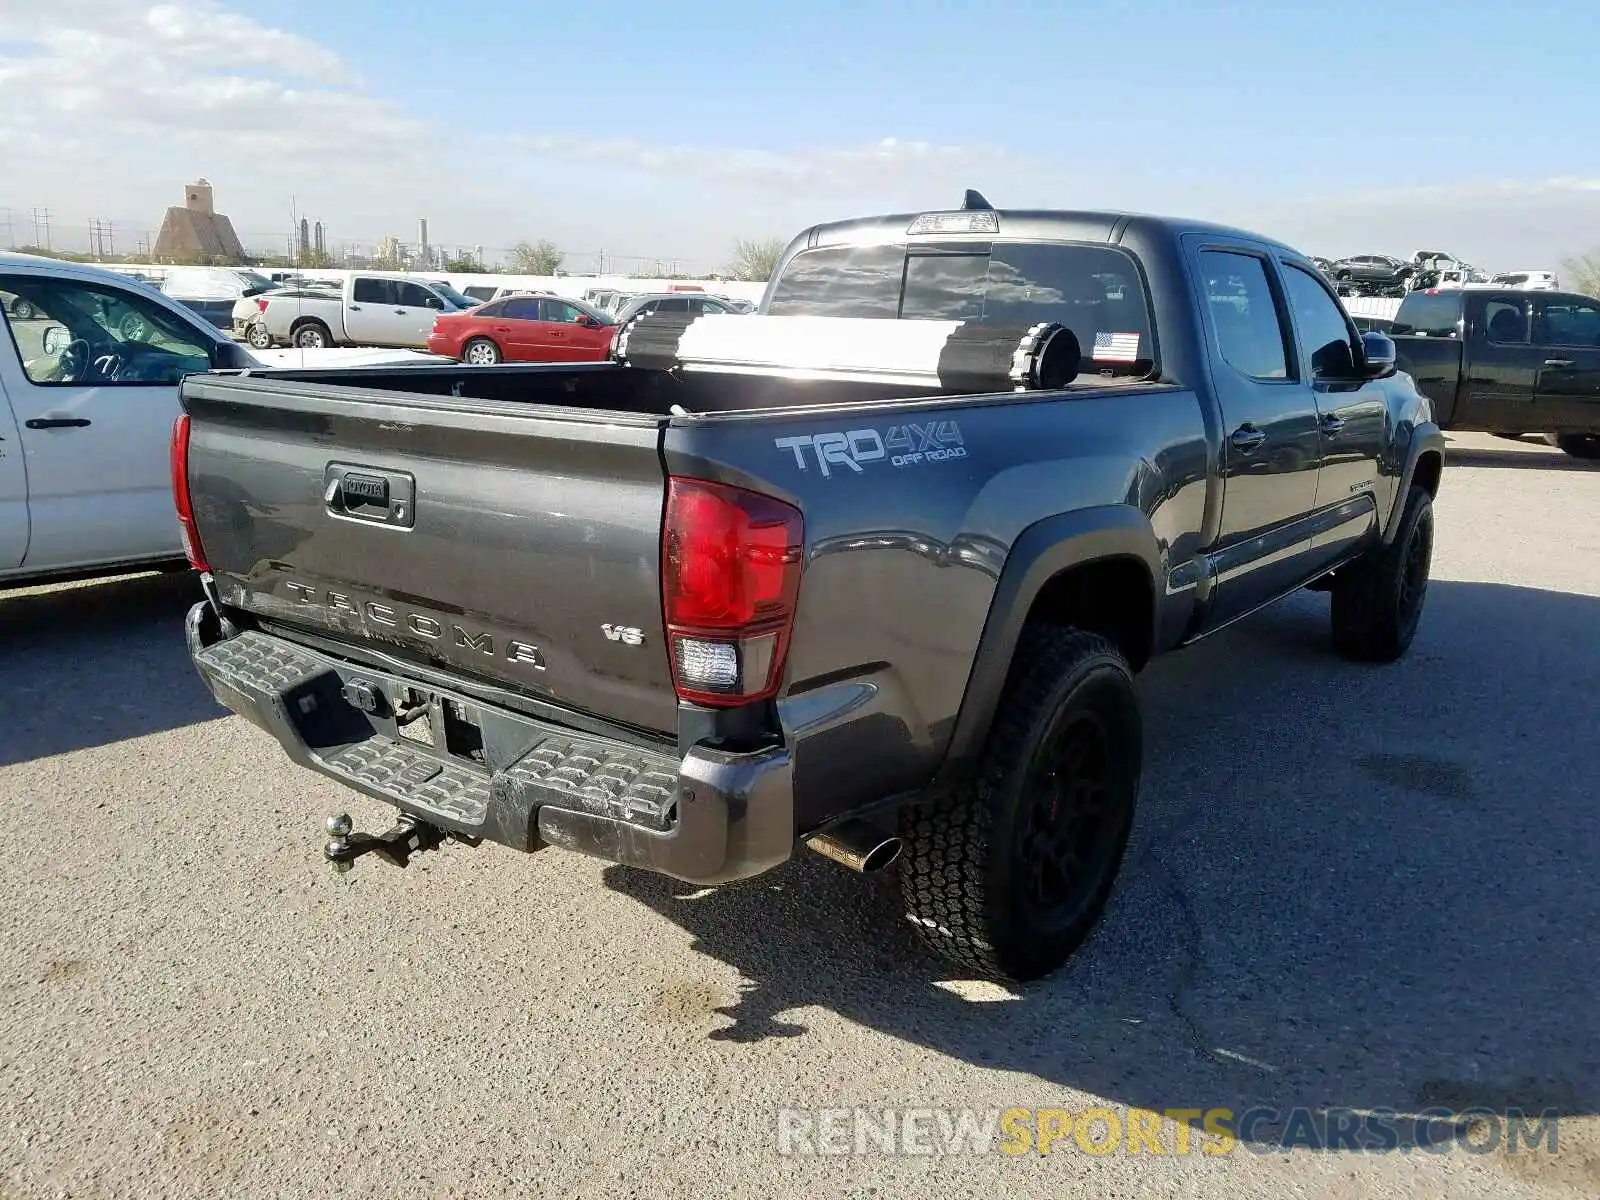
pixel 94 664
pixel 1349 886
pixel 1554 460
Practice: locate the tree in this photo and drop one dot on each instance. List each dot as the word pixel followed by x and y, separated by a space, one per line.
pixel 755 261
pixel 466 265
pixel 1581 273
pixel 537 258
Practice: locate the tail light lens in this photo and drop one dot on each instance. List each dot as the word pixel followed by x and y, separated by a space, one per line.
pixel 180 494
pixel 261 305
pixel 731 562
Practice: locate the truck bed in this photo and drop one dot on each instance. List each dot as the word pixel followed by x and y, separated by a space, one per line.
pixel 521 509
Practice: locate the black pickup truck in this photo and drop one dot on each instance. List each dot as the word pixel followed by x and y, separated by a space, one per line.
pixel 1507 362
pixel 692 619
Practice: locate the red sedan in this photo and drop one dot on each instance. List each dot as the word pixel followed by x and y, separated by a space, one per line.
pixel 524 329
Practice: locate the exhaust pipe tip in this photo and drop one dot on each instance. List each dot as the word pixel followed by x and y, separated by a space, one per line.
pixel 856 844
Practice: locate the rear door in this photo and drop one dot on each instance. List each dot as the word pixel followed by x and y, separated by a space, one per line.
pixel 1566 331
pixel 95 420
pixel 521 323
pixel 369 316
pixel 1271 448
pixel 1500 364
pixel 495 539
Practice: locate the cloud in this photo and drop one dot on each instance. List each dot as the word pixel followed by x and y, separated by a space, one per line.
pixel 116 76
pixel 107 107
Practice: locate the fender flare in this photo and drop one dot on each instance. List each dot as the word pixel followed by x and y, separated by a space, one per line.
pixel 1040 553
pixel 1426 438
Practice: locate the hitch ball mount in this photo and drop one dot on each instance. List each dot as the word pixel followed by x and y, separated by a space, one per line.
pixel 408 836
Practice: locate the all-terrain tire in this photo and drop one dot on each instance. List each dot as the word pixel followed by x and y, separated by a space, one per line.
pixel 1377 602
pixel 1007 873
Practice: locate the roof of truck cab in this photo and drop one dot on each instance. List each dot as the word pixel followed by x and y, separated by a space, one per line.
pixel 1031 224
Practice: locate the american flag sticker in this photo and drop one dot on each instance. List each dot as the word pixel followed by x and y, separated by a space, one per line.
pixel 1116 347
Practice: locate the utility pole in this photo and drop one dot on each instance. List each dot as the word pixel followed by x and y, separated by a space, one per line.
pixel 11 238
pixel 41 227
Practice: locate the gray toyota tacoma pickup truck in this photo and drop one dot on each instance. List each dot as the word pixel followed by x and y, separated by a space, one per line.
pixel 692 620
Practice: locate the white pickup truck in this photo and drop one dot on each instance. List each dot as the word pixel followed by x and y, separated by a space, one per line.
pixel 88 396
pixel 368 310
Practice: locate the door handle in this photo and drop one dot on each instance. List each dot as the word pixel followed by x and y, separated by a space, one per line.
pixel 355 308
pixel 56 422
pixel 1247 438
pixel 399 312
pixel 1332 423
pixel 1559 364
pixel 502 329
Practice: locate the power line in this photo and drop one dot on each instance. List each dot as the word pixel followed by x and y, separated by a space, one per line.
pixel 41 222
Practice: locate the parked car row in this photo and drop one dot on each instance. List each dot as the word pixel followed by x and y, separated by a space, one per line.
pixel 480 325
pixel 1386 275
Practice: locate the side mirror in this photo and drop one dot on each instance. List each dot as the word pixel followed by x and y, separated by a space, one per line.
pixel 1336 360
pixel 435 302
pixel 55 340
pixel 1379 354
pixel 588 322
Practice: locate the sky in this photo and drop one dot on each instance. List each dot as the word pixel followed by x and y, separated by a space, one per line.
pixel 668 131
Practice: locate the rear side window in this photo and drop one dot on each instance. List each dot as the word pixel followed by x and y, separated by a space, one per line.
pixel 1430 315
pixel 521 309
pixel 1506 322
pixel 374 291
pixel 1249 331
pixel 841 281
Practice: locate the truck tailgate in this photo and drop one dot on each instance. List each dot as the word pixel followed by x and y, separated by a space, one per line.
pixel 515 544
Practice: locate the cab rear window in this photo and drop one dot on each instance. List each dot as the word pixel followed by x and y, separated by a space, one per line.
pixel 1094 290
pixel 1436 314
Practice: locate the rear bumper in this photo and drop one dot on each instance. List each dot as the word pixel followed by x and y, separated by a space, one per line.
pixel 710 817
pixel 443 347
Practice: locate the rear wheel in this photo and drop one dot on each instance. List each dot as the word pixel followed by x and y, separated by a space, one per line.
pixel 1008 873
pixel 312 335
pixel 1579 445
pixel 481 352
pixel 1377 602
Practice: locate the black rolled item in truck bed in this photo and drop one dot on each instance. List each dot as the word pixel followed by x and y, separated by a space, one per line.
pixel 948 356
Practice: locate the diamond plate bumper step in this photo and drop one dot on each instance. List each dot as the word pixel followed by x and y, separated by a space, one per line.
pixel 482 772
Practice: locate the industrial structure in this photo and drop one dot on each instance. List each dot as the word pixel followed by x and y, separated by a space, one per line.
pixel 196 232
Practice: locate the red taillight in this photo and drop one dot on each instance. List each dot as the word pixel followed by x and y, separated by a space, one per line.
pixel 730 575
pixel 261 305
pixel 180 494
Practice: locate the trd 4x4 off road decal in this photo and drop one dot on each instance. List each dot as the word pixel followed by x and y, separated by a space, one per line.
pixel 906 445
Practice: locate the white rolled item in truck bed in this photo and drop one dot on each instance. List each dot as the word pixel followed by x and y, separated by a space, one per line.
pixel 945 355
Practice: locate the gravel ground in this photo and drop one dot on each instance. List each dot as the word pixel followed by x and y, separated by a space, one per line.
pixel 1349 887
